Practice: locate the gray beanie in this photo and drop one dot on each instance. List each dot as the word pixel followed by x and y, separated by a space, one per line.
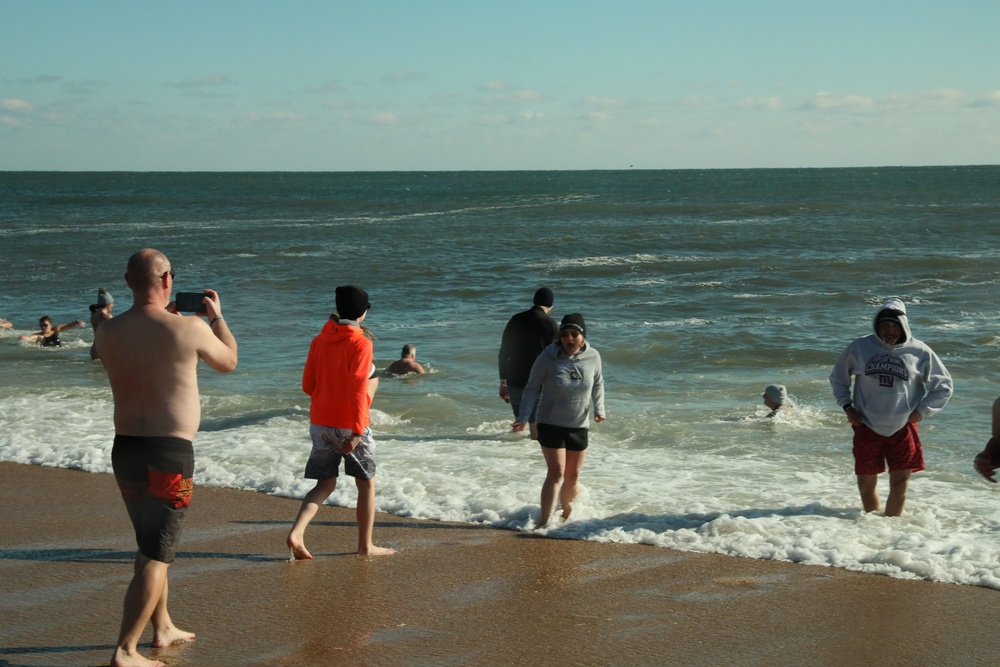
pixel 776 393
pixel 104 298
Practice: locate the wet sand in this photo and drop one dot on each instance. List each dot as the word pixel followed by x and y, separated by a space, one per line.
pixel 454 594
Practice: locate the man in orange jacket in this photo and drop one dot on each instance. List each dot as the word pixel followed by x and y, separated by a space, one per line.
pixel 340 378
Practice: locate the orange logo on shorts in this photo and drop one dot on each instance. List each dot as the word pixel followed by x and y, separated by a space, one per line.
pixel 171 487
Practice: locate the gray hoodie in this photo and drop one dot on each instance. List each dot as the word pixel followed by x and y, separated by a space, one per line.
pixel 567 385
pixel 890 381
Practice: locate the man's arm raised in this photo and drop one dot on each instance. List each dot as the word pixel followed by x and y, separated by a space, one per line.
pixel 217 346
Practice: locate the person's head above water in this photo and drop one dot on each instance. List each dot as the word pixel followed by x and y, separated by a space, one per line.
pixel 775 396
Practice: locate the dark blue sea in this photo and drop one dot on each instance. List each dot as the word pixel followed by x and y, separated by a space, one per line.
pixel 699 288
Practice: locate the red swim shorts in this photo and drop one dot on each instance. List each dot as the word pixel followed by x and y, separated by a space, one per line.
pixel 901 450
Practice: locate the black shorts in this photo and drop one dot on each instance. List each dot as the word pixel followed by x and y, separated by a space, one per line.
pixel 154 475
pixel 562 437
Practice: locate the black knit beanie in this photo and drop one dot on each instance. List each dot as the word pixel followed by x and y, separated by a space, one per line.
pixel 574 321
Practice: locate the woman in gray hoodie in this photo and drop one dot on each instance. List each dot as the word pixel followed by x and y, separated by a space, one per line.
pixel 568 376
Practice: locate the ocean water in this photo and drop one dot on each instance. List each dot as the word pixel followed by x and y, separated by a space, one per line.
pixel 699 288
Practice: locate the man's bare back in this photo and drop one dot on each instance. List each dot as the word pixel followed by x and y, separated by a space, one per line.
pixel 404 366
pixel 151 357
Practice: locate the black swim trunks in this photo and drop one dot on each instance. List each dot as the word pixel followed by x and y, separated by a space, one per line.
pixel 154 475
pixel 563 437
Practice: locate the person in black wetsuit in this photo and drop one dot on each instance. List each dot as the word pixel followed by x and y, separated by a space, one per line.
pixel 525 336
pixel 49 334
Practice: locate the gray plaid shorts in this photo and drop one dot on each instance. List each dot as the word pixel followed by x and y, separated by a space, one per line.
pixel 324 460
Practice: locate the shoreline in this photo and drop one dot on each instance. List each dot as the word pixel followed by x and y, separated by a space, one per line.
pixel 454 594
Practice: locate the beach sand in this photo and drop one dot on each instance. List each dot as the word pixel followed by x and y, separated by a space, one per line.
pixel 454 594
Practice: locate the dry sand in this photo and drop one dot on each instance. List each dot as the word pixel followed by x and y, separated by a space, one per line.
pixel 454 594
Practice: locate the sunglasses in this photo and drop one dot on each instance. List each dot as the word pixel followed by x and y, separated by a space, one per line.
pixel 164 274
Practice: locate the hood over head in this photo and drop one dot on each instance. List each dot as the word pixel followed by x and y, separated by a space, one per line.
pixel 893 310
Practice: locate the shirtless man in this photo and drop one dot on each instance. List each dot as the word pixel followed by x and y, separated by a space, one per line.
pixel 151 357
pixel 407 362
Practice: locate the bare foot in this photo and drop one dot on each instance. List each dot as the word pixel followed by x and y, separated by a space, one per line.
pixel 122 658
pixel 171 636
pixel 299 551
pixel 551 521
pixel 376 551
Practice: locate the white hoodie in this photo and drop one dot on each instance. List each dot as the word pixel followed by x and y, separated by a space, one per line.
pixel 890 381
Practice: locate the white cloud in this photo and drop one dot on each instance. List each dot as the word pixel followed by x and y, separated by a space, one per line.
pixel 599 116
pixel 759 103
pixel 943 100
pixel 603 102
pixel 384 118
pixel 989 101
pixel 822 101
pixel 531 116
pixel 14 104
pixel 519 96
pixel 495 86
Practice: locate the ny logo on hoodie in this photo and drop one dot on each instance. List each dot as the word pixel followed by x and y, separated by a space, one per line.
pixel 887 367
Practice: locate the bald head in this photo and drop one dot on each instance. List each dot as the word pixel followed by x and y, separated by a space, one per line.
pixel 146 268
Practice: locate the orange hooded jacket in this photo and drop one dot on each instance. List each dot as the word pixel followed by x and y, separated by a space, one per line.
pixel 336 377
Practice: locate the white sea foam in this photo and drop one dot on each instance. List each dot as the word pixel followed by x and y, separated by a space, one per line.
pixel 770 494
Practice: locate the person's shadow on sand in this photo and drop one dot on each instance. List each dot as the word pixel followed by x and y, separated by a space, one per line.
pixel 49 650
pixel 671 522
pixel 113 556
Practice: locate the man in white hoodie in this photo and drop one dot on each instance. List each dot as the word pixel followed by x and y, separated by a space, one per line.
pixel 898 381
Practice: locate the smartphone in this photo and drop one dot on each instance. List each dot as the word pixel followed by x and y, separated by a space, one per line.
pixel 190 302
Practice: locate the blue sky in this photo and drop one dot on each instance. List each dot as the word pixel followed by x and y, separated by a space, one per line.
pixel 475 84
